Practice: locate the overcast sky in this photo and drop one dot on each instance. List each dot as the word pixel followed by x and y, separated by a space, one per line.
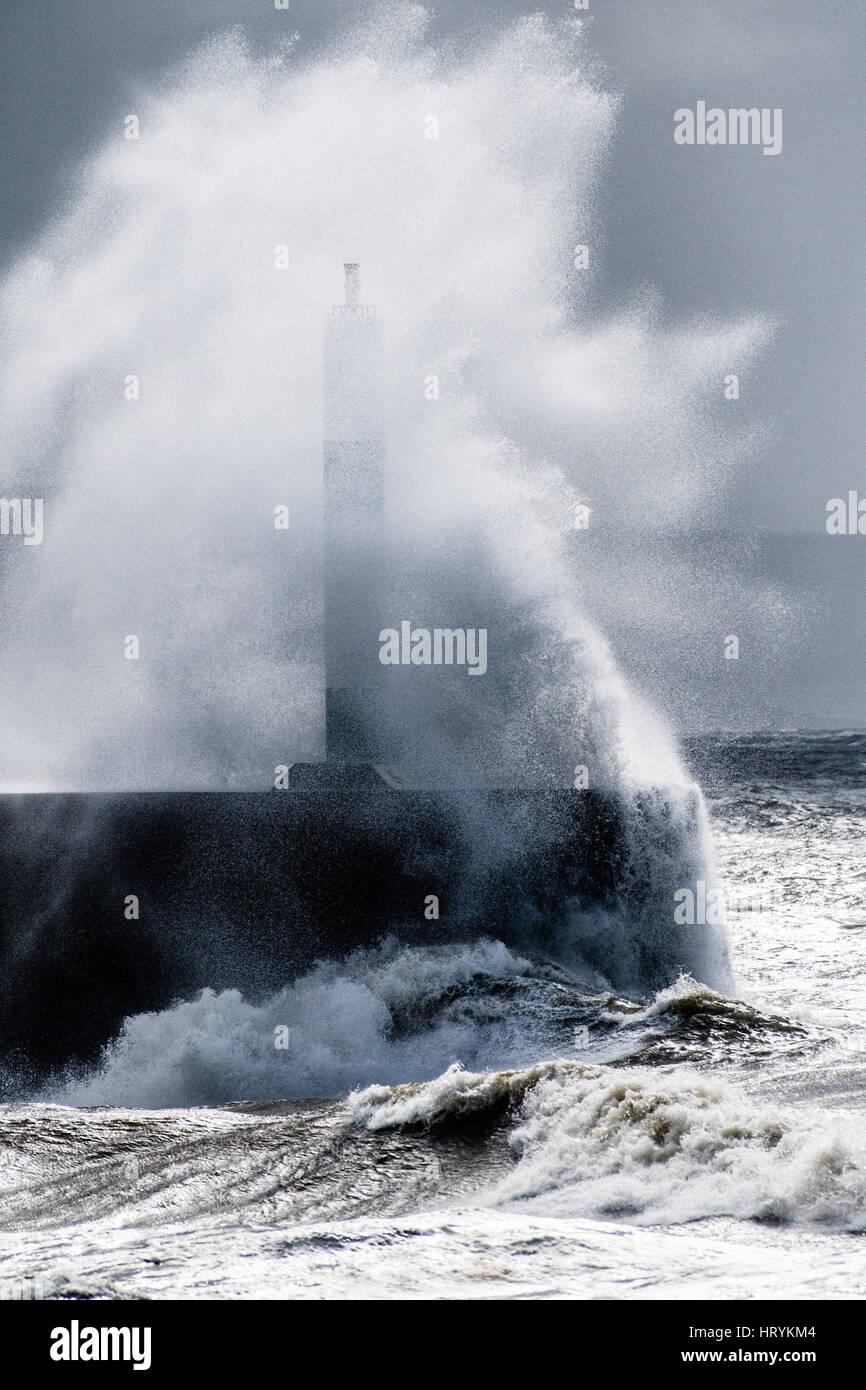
pixel 721 230
pixel 716 231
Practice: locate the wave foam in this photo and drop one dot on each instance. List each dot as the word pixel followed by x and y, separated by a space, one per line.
pixel 604 1142
pixel 391 1012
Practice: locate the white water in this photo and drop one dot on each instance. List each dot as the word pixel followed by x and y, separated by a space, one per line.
pixel 730 1165
pixel 221 1047
pixel 648 1146
pixel 159 511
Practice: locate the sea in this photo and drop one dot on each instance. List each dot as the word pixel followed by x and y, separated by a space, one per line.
pixel 471 1121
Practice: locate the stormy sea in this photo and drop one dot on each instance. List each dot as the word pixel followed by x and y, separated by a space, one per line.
pixel 478 1121
pixel 330 973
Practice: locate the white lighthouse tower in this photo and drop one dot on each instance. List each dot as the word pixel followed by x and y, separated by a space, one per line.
pixel 354 465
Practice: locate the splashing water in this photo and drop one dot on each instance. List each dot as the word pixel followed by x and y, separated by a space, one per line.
pixel 159 510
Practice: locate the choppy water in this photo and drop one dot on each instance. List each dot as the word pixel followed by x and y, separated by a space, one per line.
pixel 464 1121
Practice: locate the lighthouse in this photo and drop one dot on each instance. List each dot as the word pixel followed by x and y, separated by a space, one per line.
pixel 354 522
pixel 245 889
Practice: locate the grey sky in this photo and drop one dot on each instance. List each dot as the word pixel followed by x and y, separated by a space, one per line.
pixel 721 230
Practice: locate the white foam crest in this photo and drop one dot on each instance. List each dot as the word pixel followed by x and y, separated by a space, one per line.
pixel 647 1146
pixel 344 1028
pixel 680 1147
